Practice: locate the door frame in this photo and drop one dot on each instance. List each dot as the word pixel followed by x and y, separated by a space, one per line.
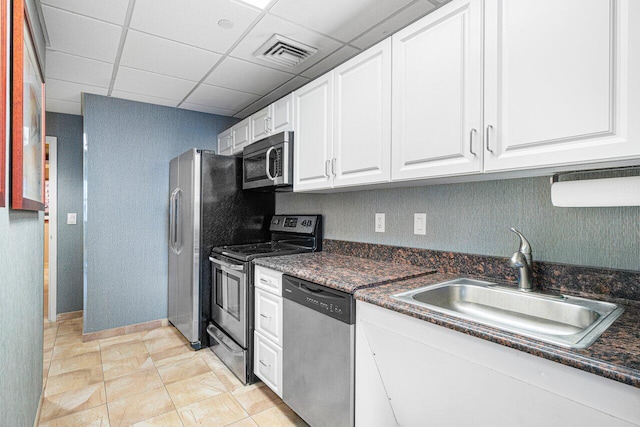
pixel 52 141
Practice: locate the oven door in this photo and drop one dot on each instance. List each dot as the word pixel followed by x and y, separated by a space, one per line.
pixel 268 167
pixel 229 298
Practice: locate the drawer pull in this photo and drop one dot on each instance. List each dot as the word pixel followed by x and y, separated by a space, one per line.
pixel 265 316
pixel 264 364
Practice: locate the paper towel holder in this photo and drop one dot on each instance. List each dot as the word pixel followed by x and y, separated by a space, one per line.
pixel 602 188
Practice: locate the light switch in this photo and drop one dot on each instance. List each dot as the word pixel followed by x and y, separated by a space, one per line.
pixel 379 223
pixel 420 223
pixel 71 218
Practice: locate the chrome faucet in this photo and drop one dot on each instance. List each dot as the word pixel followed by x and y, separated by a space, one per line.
pixel 523 262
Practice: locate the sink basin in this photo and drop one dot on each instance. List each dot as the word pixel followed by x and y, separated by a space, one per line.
pixel 562 320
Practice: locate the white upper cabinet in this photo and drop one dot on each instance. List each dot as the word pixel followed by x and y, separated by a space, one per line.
pixel 313 142
pixel 362 118
pixel 277 117
pixel 437 94
pixel 241 135
pixel 561 83
pixel 343 124
pixel 260 124
pixel 225 142
pixel 282 115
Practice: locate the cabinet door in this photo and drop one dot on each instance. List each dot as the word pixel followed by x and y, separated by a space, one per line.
pixel 268 315
pixel 225 142
pixel 313 119
pixel 558 88
pixel 268 280
pixel 260 124
pixel 241 135
pixel 267 363
pixel 437 93
pixel 362 118
pixel 282 114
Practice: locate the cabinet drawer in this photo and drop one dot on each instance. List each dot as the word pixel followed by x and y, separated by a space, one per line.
pixel 269 315
pixel 268 363
pixel 268 280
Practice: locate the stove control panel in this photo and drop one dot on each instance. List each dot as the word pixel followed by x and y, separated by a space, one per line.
pixel 294 223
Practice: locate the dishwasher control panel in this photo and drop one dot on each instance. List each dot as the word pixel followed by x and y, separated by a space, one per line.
pixel 333 303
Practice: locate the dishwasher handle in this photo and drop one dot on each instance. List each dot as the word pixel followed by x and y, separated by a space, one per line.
pixel 323 299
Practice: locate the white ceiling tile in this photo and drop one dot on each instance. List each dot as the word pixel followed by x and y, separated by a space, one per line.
pixel 393 24
pixel 167 57
pixel 68 91
pixel 196 23
pixel 246 76
pixel 63 66
pixel 214 96
pixel 271 25
pixel 81 36
pixel 143 98
pixel 113 11
pixel 145 83
pixel 273 96
pixel 341 19
pixel 331 62
pixel 61 106
pixel 205 109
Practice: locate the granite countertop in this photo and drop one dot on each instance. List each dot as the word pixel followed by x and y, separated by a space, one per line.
pixel 342 272
pixel 615 355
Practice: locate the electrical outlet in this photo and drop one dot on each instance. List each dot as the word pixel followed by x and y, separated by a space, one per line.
pixel 379 223
pixel 420 223
pixel 71 218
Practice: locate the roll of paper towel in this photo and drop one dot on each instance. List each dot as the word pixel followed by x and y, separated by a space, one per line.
pixel 597 192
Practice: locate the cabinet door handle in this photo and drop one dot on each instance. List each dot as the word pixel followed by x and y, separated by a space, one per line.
pixel 333 166
pixel 265 316
pixel 326 168
pixel 265 365
pixel 487 139
pixel 471 141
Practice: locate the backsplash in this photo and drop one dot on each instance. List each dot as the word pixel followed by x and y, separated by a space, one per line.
pixel 475 218
pixel 614 285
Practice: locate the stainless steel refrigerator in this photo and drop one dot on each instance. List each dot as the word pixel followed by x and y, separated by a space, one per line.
pixel 207 208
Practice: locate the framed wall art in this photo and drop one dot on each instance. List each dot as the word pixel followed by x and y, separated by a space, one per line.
pixel 3 99
pixel 27 139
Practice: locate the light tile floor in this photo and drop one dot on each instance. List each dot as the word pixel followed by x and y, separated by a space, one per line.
pixel 150 378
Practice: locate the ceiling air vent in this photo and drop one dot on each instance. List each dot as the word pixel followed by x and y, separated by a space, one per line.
pixel 284 52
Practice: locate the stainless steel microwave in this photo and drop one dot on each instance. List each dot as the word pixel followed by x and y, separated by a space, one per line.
pixel 268 163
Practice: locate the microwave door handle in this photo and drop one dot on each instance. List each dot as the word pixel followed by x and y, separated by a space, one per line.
pixel 266 160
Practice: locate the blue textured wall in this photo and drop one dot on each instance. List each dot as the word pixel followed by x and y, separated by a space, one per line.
pixel 475 218
pixel 21 295
pixel 128 149
pixel 68 129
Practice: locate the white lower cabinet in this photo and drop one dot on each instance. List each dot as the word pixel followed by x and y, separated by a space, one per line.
pixel 412 373
pixel 267 337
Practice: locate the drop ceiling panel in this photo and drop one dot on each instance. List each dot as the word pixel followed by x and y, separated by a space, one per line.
pixel 273 96
pixel 246 76
pixel 394 23
pixel 151 84
pixel 66 107
pixel 205 109
pixel 167 57
pixel 68 91
pixel 82 36
pixel 194 23
pixel 213 96
pixel 143 98
pixel 342 19
pixel 271 25
pixel 63 66
pixel 331 61
pixel 113 11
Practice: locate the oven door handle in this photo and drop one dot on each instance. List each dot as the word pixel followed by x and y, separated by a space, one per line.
pixel 230 266
pixel 266 160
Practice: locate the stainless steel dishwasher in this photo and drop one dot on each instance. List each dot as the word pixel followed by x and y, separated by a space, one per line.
pixel 318 353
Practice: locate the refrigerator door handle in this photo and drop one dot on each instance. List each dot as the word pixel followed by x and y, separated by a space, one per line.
pixel 172 220
pixel 178 221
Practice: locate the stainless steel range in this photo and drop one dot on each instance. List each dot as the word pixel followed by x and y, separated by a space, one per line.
pixel 232 296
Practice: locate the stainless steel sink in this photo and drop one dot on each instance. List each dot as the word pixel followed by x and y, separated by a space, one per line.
pixel 562 320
